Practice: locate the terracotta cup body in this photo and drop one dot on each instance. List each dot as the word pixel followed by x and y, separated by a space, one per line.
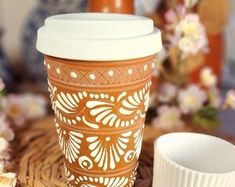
pixel 99 82
pixel 100 110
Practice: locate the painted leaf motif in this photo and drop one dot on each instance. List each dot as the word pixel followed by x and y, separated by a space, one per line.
pixel 103 181
pixel 70 143
pixel 86 181
pixel 106 153
pixel 138 135
pixel 128 111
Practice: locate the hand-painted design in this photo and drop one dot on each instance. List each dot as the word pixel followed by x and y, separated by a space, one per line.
pixel 68 175
pixel 132 102
pixel 121 111
pixel 85 162
pixel 110 73
pixel 88 185
pixel 101 75
pixel 58 70
pixel 52 91
pixel 105 111
pixel 133 177
pixel 145 67
pixel 138 135
pixel 130 71
pixel 102 181
pixel 153 65
pixel 68 104
pixel 95 181
pixel 106 153
pixel 74 75
pixel 70 143
pixel 129 156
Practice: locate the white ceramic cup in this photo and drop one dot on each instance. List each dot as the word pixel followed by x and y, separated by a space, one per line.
pixel 193 160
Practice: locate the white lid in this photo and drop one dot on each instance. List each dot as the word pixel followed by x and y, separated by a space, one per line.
pixel 98 36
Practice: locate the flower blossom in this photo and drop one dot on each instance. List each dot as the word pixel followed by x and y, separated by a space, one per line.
pixel 20 108
pixel 167 92
pixel 5 131
pixel 191 35
pixel 214 97
pixel 34 106
pixel 168 118
pixel 8 180
pixel 14 109
pixel 208 78
pixel 230 99
pixel 191 99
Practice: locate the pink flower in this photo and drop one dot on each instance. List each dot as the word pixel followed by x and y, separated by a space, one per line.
pixel 2 85
pixel 14 109
pixel 167 92
pixel 168 118
pixel 181 10
pixel 191 35
pixel 170 16
pixel 191 99
pixel 34 106
pixel 21 108
pixel 5 131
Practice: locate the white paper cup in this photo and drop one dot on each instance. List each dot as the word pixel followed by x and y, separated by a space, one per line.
pixel 193 160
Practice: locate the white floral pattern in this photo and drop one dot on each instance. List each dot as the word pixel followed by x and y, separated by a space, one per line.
pixel 129 107
pixel 86 181
pixel 93 111
pixel 71 146
pixel 107 154
pixel 52 90
pixel 138 141
pixel 121 111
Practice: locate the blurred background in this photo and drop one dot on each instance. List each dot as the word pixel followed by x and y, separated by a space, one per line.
pixel 21 66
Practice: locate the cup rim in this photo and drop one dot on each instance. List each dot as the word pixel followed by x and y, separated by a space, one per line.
pixel 177 165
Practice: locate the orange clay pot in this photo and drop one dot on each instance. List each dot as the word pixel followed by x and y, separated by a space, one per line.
pixel 112 6
pixel 100 110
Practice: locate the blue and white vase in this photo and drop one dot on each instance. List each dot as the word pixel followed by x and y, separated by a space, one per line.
pixel 31 57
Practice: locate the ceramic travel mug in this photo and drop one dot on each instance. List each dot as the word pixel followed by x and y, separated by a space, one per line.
pixel 193 160
pixel 99 71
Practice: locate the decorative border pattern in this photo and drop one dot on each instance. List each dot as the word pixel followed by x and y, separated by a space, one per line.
pixel 99 75
pixel 87 181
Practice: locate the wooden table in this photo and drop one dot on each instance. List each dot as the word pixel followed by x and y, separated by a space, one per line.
pixel 39 159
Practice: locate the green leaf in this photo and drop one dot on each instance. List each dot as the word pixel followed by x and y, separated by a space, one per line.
pixel 208 112
pixel 206 123
pixel 207 117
